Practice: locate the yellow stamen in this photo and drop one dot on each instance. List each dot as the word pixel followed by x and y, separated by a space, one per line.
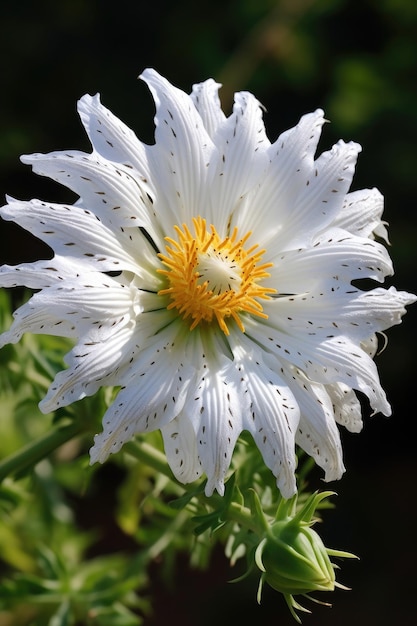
pixel 212 279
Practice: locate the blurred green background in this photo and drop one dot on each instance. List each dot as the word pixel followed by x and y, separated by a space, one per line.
pixel 357 60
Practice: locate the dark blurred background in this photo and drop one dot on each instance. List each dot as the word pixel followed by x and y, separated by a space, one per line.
pixel 355 59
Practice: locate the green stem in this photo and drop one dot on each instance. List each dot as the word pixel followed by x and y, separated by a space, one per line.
pixel 146 453
pixel 243 516
pixel 32 453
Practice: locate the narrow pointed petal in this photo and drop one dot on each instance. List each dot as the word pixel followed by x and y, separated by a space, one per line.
pixel 155 395
pixel 74 231
pixel 361 214
pixel 42 274
pixel 207 102
pixel 183 150
pixel 95 361
pixel 273 414
pixel 214 408
pixel 181 449
pixel 110 191
pixel 333 360
pixel 71 307
pixel 314 205
pixel 32 318
pixel 348 312
pixel 317 433
pixel 347 408
pixel 242 157
pixel 323 195
pixel 291 160
pixel 112 139
pixel 337 259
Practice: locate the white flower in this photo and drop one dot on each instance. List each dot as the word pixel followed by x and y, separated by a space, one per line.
pixel 210 277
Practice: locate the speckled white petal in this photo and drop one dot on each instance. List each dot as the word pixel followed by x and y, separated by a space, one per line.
pixel 207 102
pixel 385 307
pixel 344 310
pixel 361 214
pixel 215 408
pixel 334 360
pixel 181 449
pixel 76 232
pixel 181 154
pixel 273 415
pixel 336 259
pixel 370 345
pixel 317 433
pixel 242 158
pixel 323 194
pixel 291 162
pixel 37 320
pixel 107 355
pixel 111 138
pixel 154 396
pixel 71 307
pixel 317 203
pixel 340 360
pixel 94 362
pixel 107 189
pixel 42 274
pixel 346 407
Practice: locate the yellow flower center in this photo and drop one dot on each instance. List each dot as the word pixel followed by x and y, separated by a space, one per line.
pixel 213 278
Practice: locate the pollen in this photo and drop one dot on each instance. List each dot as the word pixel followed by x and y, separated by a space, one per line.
pixel 213 279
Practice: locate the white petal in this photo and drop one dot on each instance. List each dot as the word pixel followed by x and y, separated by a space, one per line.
pixel 73 231
pixel 207 102
pixel 111 138
pixel 214 407
pixel 361 214
pixel 383 308
pixel 370 345
pixel 273 414
pixel 317 202
pixel 90 300
pixel 95 361
pixel 339 257
pixel 40 316
pixel 317 433
pixel 347 408
pixel 181 449
pixel 324 193
pixel 291 165
pixel 42 274
pixel 181 154
pixel 242 157
pixel 347 311
pixel 155 394
pixel 333 360
pixel 73 307
pixel 31 318
pixel 110 191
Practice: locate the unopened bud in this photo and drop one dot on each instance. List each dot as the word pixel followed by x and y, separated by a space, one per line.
pixel 292 556
pixel 294 559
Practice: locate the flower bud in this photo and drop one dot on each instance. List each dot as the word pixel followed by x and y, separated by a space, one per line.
pixel 295 559
pixel 291 555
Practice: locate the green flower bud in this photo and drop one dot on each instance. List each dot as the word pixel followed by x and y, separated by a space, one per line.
pixel 291 555
pixel 294 559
